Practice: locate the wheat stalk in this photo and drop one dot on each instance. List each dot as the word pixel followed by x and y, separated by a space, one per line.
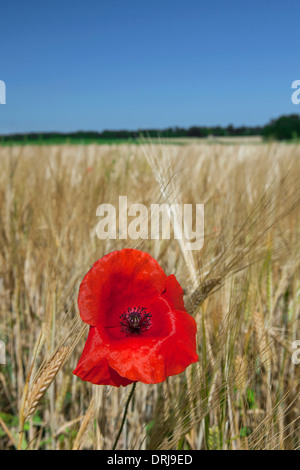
pixel 87 418
pixel 261 339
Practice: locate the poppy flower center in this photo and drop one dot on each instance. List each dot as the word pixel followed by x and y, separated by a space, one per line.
pixel 135 321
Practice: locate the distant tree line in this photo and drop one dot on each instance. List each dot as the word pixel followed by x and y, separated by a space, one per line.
pixel 283 128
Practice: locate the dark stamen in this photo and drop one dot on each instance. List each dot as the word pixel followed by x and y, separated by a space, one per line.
pixel 135 321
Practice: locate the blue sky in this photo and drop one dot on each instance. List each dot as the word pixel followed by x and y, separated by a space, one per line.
pixel 129 64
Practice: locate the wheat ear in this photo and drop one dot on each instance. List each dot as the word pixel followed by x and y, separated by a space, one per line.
pixel 43 381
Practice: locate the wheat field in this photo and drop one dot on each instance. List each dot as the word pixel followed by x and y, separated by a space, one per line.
pixel 242 287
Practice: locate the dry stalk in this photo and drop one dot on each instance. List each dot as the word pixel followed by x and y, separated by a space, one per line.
pixel 84 424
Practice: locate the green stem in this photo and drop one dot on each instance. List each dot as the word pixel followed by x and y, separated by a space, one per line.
pixel 124 415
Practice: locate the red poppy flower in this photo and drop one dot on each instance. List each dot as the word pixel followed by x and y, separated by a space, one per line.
pixel 140 330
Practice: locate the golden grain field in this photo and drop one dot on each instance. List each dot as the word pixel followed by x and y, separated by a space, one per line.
pixel 243 289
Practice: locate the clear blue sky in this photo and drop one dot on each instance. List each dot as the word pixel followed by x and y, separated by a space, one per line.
pixel 128 64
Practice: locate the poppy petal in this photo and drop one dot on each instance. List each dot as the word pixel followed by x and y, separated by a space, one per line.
pixel 93 366
pixel 116 282
pixel 173 293
pixel 150 359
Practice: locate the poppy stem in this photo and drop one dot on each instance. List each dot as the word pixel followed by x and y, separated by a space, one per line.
pixel 124 415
